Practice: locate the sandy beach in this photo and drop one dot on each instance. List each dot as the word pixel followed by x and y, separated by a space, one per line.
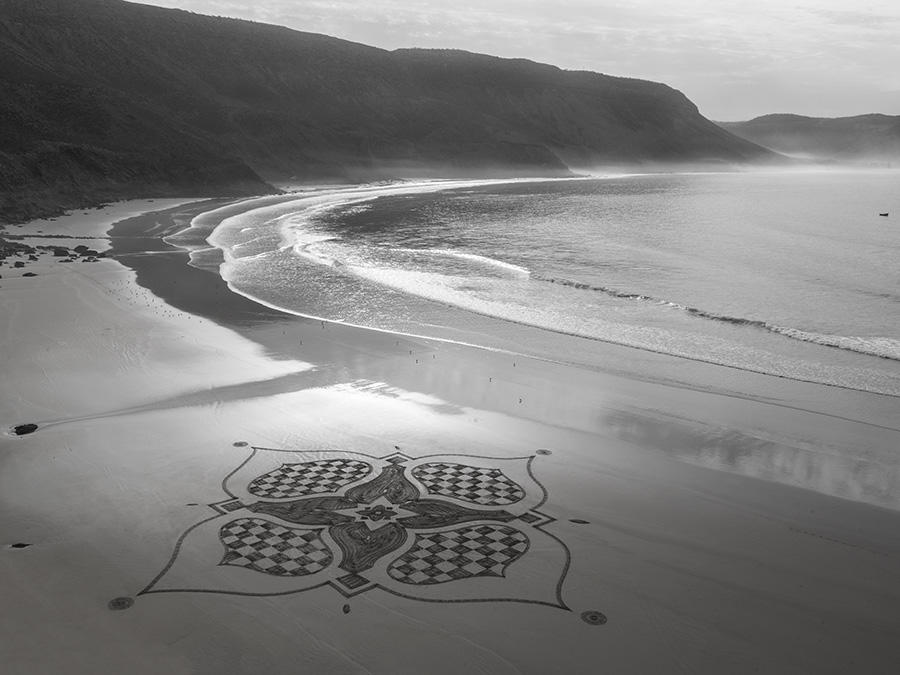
pixel 494 513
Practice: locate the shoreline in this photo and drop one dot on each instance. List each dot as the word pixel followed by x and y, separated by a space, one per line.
pixel 529 339
pixel 281 334
pixel 673 501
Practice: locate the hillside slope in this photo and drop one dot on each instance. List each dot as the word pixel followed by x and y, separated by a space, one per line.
pixel 103 98
pixel 871 137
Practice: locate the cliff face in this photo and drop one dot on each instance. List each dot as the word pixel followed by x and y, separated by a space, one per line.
pixel 104 98
pixel 871 137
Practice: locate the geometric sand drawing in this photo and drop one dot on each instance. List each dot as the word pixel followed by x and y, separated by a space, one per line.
pixel 488 487
pixel 272 548
pixel 438 557
pixel 296 480
pixel 437 528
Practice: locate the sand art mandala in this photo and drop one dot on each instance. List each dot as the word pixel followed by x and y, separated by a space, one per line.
pixel 441 528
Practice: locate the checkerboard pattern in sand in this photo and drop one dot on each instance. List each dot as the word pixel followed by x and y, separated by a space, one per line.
pixel 485 486
pixel 309 478
pixel 274 549
pixel 438 557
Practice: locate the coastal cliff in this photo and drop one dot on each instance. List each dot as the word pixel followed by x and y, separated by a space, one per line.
pixel 105 99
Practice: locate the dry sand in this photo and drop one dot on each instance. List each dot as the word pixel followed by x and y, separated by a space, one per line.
pixel 721 522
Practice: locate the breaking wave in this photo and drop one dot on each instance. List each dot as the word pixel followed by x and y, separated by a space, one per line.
pixel 882 347
pixel 472 257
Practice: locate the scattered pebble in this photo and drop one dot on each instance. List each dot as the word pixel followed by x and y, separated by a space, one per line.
pixel 123 602
pixel 593 617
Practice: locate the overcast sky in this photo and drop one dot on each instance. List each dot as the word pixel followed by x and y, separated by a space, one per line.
pixel 735 59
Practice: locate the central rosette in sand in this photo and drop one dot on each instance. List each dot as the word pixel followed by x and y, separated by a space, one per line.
pixel 355 522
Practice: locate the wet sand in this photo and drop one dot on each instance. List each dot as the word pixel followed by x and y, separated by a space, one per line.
pixel 693 518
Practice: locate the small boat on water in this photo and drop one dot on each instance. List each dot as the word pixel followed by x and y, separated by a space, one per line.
pixel 883 215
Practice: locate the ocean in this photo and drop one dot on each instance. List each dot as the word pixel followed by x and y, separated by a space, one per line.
pixel 789 273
